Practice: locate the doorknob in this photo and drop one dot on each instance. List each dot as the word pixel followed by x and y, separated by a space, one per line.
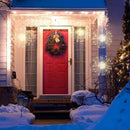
pixel 70 61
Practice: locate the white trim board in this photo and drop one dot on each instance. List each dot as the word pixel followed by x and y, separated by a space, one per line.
pixel 40 59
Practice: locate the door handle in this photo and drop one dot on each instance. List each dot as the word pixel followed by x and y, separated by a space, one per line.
pixel 70 61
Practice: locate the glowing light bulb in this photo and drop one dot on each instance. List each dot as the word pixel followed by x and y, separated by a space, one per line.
pixel 102 65
pixel 121 57
pixel 21 37
pixel 102 38
pixel 80 32
pixel 14 12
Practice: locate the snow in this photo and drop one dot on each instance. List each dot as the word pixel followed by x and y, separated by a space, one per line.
pixel 118 115
pixel 85 97
pixel 68 126
pixel 86 117
pixel 88 114
pixel 11 116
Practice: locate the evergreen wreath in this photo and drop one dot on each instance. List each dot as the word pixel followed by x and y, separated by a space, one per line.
pixel 55 44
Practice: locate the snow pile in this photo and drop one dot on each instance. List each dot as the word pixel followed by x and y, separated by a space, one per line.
pixel 90 99
pixel 11 108
pixel 11 116
pixel 87 114
pixel 78 96
pixel 85 97
pixel 118 115
pixel 68 126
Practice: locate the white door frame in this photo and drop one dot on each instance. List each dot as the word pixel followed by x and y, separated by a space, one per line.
pixel 40 59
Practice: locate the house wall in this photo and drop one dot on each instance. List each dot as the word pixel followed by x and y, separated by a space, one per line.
pixel 21 21
pixel 115 12
pixel 3 49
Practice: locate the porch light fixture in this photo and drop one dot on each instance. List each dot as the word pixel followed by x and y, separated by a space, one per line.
pixel 22 37
pixel 102 38
pixel 102 65
pixel 80 32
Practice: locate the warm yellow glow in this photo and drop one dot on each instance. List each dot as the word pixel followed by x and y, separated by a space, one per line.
pixel 86 13
pixel 8 44
pixel 102 19
pixel 22 37
pixel 80 32
pixel 82 12
pixel 93 12
pixel 121 57
pixel 14 12
pixel 55 12
pixel 70 12
pixel 102 38
pixel 102 65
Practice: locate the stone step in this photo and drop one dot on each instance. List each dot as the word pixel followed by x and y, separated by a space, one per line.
pixel 52 111
pixel 51 104
pixel 51 100
pixel 53 96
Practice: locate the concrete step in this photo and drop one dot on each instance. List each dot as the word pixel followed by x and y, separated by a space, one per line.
pixel 51 107
pixel 52 111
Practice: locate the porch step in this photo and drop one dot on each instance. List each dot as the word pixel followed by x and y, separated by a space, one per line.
pixel 51 107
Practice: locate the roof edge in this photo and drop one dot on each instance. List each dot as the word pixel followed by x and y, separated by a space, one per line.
pixel 60 9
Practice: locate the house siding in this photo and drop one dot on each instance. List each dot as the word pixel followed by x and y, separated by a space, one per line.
pixel 115 13
pixel 3 48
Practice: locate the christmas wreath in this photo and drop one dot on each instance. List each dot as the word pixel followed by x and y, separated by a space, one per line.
pixel 55 44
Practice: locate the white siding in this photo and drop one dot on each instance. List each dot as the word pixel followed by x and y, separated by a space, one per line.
pixel 3 50
pixel 115 12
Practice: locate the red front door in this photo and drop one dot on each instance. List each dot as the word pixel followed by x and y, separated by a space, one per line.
pixel 55 67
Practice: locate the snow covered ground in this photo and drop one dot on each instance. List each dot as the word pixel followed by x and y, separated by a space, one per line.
pixel 86 117
pixel 118 115
pixel 11 116
pixel 88 114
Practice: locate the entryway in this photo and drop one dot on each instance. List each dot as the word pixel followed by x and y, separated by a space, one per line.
pixel 54 65
pixel 55 61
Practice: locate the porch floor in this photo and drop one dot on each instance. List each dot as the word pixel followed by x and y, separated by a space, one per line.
pixel 51 121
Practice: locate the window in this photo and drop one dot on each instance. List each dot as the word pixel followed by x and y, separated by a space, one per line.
pixel 31 60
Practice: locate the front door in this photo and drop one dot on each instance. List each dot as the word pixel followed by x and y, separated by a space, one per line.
pixel 55 61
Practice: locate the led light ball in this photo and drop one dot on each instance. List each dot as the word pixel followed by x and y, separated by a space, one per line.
pixel 102 65
pixel 121 57
pixel 80 32
pixel 102 38
pixel 22 37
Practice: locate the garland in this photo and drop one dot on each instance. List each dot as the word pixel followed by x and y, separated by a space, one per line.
pixel 55 44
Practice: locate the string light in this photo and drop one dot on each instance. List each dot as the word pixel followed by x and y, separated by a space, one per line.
pixel 121 57
pixel 102 65
pixel 102 38
pixel 14 12
pixel 22 37
pixel 80 32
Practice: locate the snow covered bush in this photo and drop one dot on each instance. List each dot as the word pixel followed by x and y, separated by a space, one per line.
pixel 91 99
pixel 78 96
pixel 11 116
pixel 85 97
